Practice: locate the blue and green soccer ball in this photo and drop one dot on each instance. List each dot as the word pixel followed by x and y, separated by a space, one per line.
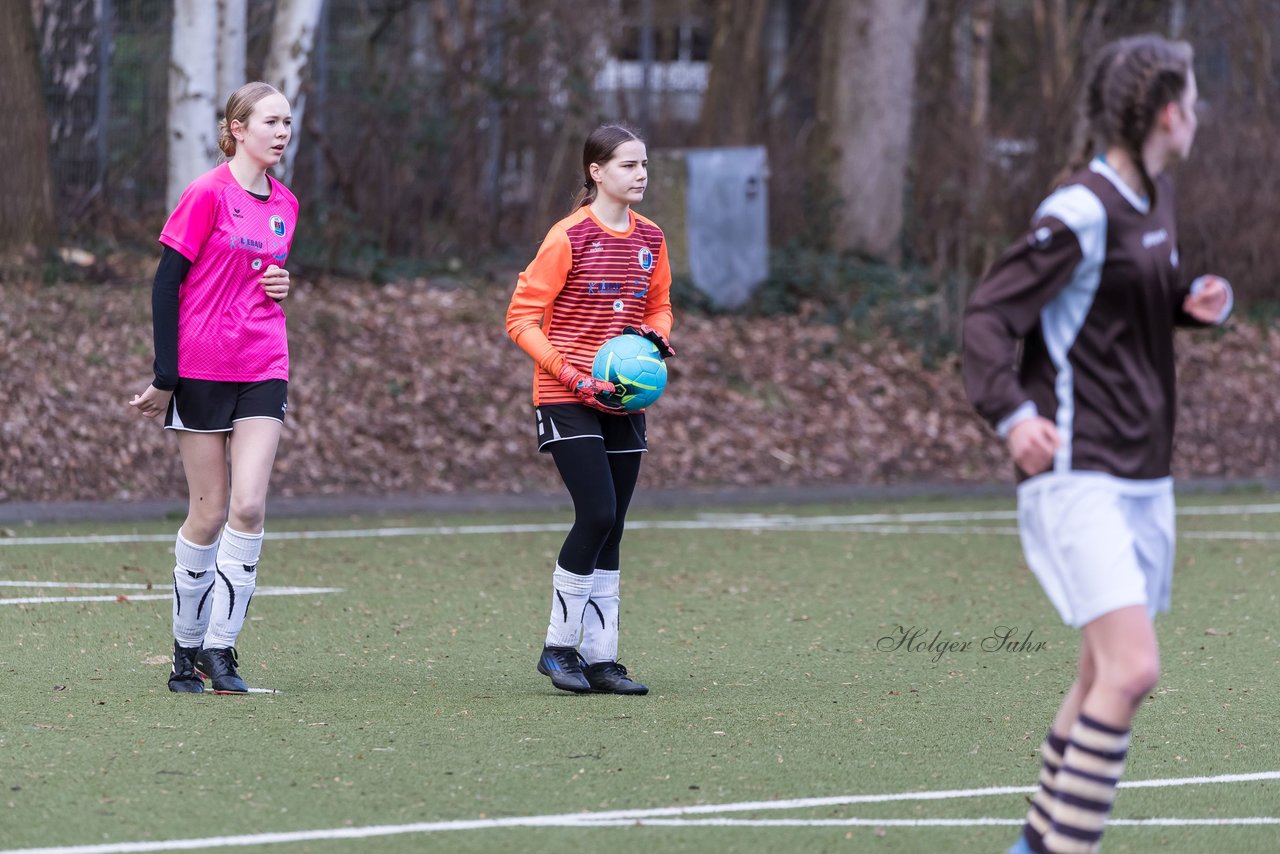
pixel 632 363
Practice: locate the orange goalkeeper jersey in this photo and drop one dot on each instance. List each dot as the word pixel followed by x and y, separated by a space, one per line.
pixel 586 283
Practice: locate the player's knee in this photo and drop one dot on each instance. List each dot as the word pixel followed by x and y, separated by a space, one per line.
pixel 1086 675
pixel 247 514
pixel 1134 677
pixel 203 524
pixel 599 520
pixel 1144 678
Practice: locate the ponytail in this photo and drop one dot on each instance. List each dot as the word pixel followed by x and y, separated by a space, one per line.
pixel 586 195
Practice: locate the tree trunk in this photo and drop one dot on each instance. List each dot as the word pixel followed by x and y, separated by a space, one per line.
pixel 974 221
pixel 233 40
pixel 980 28
pixel 1065 38
pixel 293 33
pixel 26 199
pixel 193 75
pixel 864 110
pixel 1258 15
pixel 460 43
pixel 731 106
pixel 1177 18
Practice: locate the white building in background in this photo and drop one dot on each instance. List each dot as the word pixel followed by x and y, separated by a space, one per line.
pixel 677 72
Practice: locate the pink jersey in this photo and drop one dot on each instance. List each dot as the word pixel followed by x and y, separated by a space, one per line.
pixel 228 328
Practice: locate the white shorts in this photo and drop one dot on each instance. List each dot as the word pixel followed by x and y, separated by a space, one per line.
pixel 1098 543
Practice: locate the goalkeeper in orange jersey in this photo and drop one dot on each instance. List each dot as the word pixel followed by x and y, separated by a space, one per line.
pixel 601 271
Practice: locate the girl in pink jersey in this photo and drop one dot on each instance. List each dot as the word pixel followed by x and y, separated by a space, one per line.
pixel 221 377
pixel 601 271
pixel 1068 353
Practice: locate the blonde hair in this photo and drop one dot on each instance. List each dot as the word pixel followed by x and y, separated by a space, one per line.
pixel 239 107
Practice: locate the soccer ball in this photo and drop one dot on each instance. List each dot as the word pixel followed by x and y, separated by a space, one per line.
pixel 632 363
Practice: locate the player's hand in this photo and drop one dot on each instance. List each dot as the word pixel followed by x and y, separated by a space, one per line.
pixel 598 394
pixel 275 281
pixel 152 402
pixel 1033 443
pixel 1207 301
pixel 659 340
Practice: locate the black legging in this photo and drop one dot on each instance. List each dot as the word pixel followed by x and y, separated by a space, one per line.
pixel 601 486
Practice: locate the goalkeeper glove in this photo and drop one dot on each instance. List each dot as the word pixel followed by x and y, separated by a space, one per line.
pixel 659 340
pixel 598 394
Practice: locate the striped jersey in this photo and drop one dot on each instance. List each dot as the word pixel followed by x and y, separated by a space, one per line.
pixel 586 283
pixel 228 328
pixel 1091 296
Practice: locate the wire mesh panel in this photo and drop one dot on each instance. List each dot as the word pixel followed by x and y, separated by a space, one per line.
pixel 73 39
pixel 138 100
pixel 105 66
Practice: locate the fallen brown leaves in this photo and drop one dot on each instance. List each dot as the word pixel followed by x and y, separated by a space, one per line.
pixel 410 388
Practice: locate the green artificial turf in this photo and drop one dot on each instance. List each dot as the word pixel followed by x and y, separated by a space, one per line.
pixel 773 659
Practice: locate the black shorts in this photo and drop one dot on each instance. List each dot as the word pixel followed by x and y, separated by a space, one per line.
pixel 209 406
pixel 622 434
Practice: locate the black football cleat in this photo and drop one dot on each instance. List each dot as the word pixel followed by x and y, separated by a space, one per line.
pixel 183 678
pixel 610 677
pixel 219 666
pixel 564 666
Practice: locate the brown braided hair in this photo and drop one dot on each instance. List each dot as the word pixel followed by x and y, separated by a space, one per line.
pixel 599 148
pixel 1130 81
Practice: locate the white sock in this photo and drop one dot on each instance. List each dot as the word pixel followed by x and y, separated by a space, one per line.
pixel 193 575
pixel 569 594
pixel 237 577
pixel 600 620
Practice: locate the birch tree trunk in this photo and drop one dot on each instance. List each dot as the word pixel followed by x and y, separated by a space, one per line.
pixel 864 113
pixel 193 77
pixel 26 200
pixel 293 33
pixel 233 40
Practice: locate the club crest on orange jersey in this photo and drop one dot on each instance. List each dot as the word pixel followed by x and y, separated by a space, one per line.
pixel 645 258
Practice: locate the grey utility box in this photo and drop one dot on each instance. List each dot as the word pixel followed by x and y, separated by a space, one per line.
pixel 712 205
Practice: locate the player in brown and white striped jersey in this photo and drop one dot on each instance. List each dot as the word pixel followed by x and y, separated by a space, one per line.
pixel 1068 354
pixel 601 271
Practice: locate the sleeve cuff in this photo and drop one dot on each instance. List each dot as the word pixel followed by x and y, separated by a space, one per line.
pixel 1198 285
pixel 1024 412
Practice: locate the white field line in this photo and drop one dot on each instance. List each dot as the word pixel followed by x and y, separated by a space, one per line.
pixel 911 822
pixel 833 528
pixel 633 817
pixel 885 523
pixel 78 585
pixel 1261 536
pixel 167 595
